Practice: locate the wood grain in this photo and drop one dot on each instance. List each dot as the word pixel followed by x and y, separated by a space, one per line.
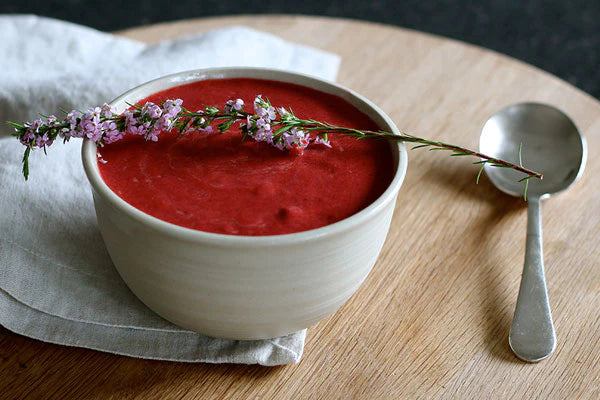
pixel 432 319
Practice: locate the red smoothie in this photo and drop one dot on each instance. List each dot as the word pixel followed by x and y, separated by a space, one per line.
pixel 217 183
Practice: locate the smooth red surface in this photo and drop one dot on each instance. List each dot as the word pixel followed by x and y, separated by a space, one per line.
pixel 217 183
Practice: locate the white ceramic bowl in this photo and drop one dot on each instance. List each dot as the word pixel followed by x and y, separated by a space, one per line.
pixel 243 287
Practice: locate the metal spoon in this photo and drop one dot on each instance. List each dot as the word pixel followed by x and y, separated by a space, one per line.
pixel 552 145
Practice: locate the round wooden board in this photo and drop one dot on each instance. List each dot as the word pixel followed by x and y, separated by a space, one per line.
pixel 432 319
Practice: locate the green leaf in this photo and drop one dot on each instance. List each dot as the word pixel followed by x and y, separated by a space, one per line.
pixel 282 129
pixel 225 125
pixel 137 107
pixel 479 173
pixel 520 150
pixel 210 111
pixel 15 125
pixel 26 162
pixel 526 178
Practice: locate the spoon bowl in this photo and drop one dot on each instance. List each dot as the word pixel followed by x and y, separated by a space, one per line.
pixel 546 141
pixel 551 144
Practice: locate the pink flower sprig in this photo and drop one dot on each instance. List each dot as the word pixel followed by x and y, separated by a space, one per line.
pixel 278 127
pixel 103 125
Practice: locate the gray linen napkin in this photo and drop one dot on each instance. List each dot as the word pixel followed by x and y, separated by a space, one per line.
pixel 57 283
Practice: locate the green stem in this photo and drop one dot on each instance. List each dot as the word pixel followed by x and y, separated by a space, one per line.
pixel 458 151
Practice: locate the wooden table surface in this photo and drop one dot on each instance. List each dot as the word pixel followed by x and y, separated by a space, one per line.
pixel 432 318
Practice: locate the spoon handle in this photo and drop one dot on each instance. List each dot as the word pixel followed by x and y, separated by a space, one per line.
pixel 532 336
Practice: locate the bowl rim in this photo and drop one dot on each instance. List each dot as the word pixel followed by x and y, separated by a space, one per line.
pixel 90 164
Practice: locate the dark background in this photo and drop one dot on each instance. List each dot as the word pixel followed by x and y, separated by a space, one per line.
pixel 561 37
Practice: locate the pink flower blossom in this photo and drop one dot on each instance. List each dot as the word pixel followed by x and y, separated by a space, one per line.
pixel 94 114
pixel 264 109
pixel 152 110
pixel 52 121
pixel 172 107
pixel 231 105
pixel 111 133
pixel 89 125
pixel 295 138
pixel 27 137
pixel 107 111
pixel 164 122
pixel 262 124
pixel 43 140
pixel 152 134
pixel 141 129
pixel 73 120
pixel 323 141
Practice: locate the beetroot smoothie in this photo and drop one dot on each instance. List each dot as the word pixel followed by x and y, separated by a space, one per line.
pixel 218 183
